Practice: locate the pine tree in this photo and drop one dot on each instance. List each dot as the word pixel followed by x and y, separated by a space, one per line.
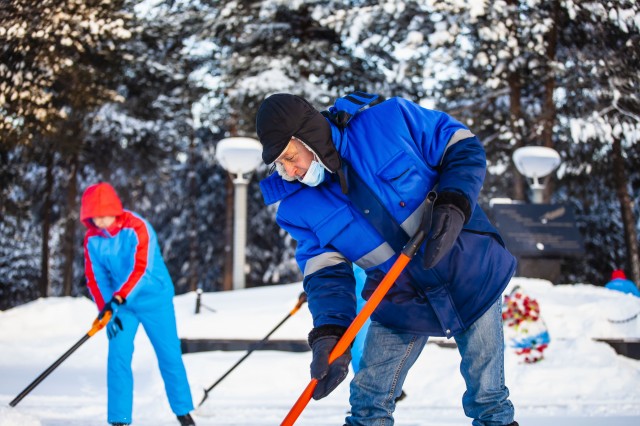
pixel 53 69
pixel 535 72
pixel 601 112
pixel 263 48
pixel 157 156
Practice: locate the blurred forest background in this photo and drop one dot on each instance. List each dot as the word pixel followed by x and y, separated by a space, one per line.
pixel 138 93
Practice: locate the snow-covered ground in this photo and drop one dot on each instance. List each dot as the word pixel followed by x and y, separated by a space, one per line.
pixel 580 381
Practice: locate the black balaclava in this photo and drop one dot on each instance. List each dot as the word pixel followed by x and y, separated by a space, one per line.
pixel 282 116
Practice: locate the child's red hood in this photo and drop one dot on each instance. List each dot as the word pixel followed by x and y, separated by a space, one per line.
pixel 99 200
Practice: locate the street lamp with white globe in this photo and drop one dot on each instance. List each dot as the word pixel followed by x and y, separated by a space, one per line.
pixel 536 162
pixel 239 156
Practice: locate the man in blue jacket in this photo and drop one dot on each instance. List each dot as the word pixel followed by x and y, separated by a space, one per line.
pixel 391 156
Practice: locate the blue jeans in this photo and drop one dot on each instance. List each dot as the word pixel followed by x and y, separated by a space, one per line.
pixel 389 354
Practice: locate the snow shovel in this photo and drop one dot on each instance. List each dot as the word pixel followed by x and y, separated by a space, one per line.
pixel 405 256
pixel 98 324
pixel 301 300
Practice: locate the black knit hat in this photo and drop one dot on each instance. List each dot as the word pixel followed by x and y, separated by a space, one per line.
pixel 282 116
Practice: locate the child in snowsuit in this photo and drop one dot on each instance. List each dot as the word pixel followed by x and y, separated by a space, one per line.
pixel 127 276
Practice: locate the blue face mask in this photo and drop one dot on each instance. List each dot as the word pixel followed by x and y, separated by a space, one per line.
pixel 314 175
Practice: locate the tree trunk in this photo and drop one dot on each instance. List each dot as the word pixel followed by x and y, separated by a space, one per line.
pixel 46 226
pixel 516 117
pixel 71 226
pixel 517 120
pixel 548 105
pixel 626 209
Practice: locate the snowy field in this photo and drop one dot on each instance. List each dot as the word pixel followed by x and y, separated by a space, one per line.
pixel 580 381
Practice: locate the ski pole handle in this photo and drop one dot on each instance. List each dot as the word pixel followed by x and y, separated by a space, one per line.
pixel 302 299
pixel 99 323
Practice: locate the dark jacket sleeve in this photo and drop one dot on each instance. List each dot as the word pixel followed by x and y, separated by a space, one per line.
pixel 331 295
pixel 462 171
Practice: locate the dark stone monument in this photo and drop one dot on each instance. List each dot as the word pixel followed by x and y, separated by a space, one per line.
pixel 541 236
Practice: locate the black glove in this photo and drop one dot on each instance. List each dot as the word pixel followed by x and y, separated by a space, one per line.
pixel 449 215
pixel 114 324
pixel 322 340
pixel 110 306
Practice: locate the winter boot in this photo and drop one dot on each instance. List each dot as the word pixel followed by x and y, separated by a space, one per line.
pixel 186 420
pixel 513 424
pixel 120 424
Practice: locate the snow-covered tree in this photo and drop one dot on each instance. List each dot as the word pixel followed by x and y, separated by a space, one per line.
pixel 48 61
pixel 57 62
pixel 139 93
pixel 599 106
pixel 533 72
pixel 263 48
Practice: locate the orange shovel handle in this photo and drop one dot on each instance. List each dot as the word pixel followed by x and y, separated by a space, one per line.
pixel 349 335
pixel 99 323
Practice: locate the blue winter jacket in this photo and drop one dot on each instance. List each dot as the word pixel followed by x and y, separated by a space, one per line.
pixel 125 260
pixel 402 151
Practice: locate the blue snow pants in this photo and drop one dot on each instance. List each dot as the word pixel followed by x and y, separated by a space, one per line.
pixel 156 314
